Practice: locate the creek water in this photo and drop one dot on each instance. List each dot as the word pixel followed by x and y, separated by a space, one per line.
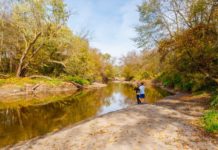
pixel 23 122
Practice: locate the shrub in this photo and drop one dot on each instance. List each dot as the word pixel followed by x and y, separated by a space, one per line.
pixel 210 121
pixel 192 82
pixel 186 86
pixel 171 79
pixel 76 79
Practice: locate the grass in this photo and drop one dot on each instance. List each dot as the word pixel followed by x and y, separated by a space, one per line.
pixel 210 118
pixel 210 121
pixel 23 81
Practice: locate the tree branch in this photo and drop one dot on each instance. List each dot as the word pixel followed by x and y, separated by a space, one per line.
pixel 58 62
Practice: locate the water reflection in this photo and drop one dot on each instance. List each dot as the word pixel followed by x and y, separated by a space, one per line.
pixel 25 122
pixel 115 102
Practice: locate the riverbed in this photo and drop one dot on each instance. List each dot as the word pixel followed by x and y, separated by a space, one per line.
pixel 20 122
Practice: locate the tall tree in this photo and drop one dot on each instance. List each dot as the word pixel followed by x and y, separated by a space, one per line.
pixel 35 22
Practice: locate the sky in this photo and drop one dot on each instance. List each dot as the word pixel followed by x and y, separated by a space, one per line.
pixel 110 22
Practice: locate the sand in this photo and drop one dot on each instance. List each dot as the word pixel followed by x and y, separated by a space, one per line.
pixel 139 127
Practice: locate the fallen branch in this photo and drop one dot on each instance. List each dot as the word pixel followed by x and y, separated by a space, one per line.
pixel 35 87
pixel 77 85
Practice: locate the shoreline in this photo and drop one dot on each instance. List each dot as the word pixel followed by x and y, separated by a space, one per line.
pixel 13 90
pixel 151 82
pixel 145 116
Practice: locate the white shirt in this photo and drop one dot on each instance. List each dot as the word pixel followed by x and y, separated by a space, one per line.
pixel 142 89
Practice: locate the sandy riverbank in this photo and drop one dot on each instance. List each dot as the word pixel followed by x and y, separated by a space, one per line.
pixel 169 124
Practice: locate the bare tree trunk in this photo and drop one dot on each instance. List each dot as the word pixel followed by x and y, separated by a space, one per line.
pixel 27 49
pixel 20 65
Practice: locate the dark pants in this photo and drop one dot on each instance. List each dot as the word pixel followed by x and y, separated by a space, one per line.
pixel 138 99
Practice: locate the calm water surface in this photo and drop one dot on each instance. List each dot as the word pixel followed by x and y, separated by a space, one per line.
pixel 20 123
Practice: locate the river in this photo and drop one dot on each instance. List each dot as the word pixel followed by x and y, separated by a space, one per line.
pixel 20 122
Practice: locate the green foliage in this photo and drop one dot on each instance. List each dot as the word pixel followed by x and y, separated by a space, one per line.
pixel 210 121
pixel 170 80
pixel 193 82
pixel 76 79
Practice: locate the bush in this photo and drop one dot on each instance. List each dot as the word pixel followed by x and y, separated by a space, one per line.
pixel 210 121
pixel 194 82
pixel 76 79
pixel 186 86
pixel 171 80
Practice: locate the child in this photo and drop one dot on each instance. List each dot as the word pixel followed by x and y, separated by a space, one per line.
pixel 137 94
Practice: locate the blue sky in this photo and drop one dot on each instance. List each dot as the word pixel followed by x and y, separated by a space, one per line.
pixel 111 23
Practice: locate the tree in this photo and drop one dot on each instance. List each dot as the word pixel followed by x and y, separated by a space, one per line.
pixel 140 65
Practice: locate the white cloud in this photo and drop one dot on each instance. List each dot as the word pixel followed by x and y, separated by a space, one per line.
pixel 112 23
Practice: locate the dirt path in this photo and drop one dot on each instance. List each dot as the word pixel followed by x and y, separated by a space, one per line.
pixel 169 126
pixel 192 105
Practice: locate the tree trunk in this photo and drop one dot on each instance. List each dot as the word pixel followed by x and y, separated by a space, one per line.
pixel 19 68
pixel 27 49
